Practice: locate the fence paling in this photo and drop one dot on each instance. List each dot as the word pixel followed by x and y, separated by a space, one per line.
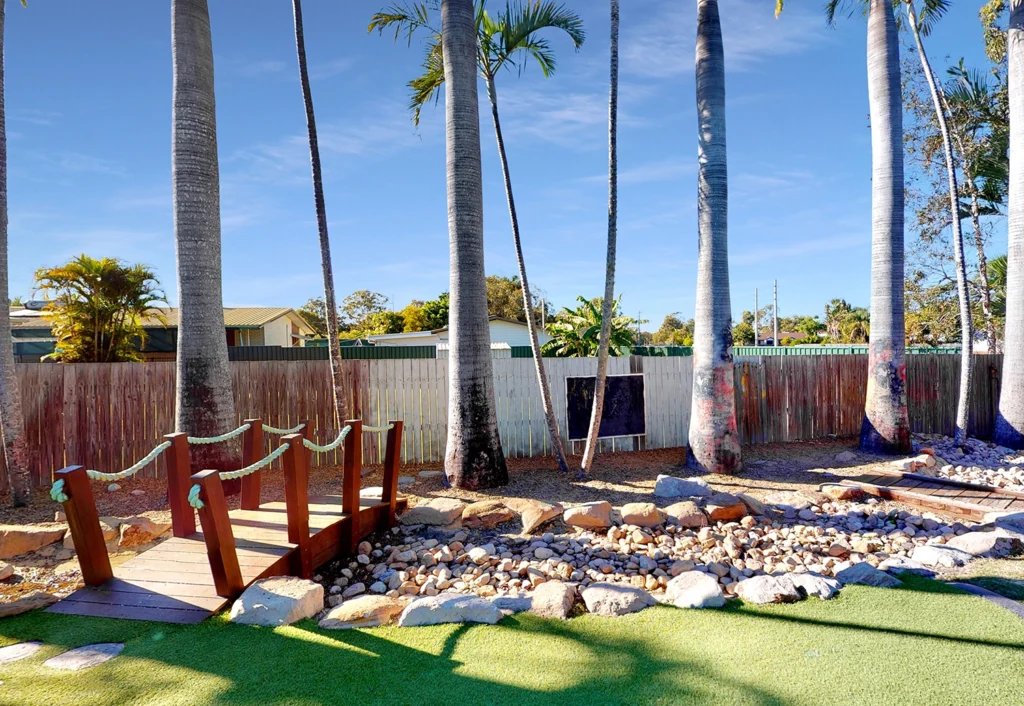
pixel 110 415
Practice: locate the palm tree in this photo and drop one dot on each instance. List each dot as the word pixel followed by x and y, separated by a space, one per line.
pixel 331 307
pixel 604 339
pixel 1009 428
pixel 714 443
pixel 473 455
pixel 204 403
pixel 575 333
pixel 997 279
pixel 501 41
pixel 932 10
pixel 15 448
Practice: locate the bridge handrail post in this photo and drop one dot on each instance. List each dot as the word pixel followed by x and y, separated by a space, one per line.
pixel 179 470
pixel 392 457
pixel 351 483
pixel 84 525
pixel 296 498
pixel 252 451
pixel 220 540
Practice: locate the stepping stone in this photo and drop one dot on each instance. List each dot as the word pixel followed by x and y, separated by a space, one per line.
pixel 405 480
pixel 1002 601
pixel 20 650
pixel 85 656
pixel 431 474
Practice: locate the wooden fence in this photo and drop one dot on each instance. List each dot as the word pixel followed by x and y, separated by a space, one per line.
pixel 106 416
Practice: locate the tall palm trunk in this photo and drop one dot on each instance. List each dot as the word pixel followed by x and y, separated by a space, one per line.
pixel 1009 429
pixel 986 288
pixel 886 426
pixel 966 326
pixel 531 325
pixel 607 304
pixel 713 439
pixel 205 406
pixel 15 449
pixel 473 456
pixel 333 346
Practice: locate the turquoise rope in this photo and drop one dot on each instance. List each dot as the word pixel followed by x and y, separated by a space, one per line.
pixel 57 493
pixel 266 461
pixel 329 447
pixel 274 430
pixel 386 427
pixel 142 463
pixel 193 498
pixel 217 439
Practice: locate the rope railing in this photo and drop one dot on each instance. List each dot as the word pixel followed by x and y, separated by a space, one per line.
pixel 193 497
pixel 217 439
pixel 57 493
pixel 275 430
pixel 329 447
pixel 386 427
pixel 252 468
pixel 132 470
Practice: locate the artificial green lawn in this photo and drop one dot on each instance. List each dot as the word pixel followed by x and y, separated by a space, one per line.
pixel 925 644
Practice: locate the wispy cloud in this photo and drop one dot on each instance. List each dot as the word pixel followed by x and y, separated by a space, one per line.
pixel 33 115
pixel 78 163
pixel 648 173
pixel 663 46
pixel 251 68
pixel 801 248
pixel 575 119
pixel 327 69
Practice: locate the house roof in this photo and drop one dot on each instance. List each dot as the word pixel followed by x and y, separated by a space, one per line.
pixel 234 317
pixel 489 320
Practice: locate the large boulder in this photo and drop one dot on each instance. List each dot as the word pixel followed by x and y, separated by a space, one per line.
pixel 140 530
pixel 838 491
pixel 610 600
pixel 672 487
pixel 281 600
pixel 533 513
pixel 788 500
pixel 641 514
pixel 725 507
pixel 867 575
pixel 694 589
pixel 20 539
pixel 812 584
pixel 553 599
pixel 362 612
pixel 686 513
pixel 938 555
pixel 29 601
pixel 589 515
pixel 111 535
pixel 436 511
pixel 449 608
pixel 486 514
pixel 755 506
pixel 1009 521
pixel 988 544
pixel 768 589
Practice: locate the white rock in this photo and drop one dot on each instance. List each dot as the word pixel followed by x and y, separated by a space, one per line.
pixel 615 599
pixel 362 612
pixel 553 599
pixel 938 555
pixel 768 589
pixel 864 573
pixel 354 590
pixel 813 584
pixel 988 544
pixel 437 511
pixel 694 589
pixel 281 600
pixel 673 487
pixel 449 608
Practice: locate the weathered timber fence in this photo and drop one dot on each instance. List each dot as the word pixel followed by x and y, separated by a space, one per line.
pixel 106 416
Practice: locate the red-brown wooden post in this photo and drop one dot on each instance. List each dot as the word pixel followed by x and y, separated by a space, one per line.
pixel 84 523
pixel 220 541
pixel 392 457
pixel 252 451
pixel 179 471
pixel 296 500
pixel 352 482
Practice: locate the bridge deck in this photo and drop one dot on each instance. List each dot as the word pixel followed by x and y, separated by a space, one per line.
pixel 173 583
pixel 966 500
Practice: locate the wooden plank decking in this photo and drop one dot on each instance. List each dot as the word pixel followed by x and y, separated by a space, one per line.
pixel 173 582
pixel 965 500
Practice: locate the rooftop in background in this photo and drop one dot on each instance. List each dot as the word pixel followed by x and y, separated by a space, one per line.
pixel 241 317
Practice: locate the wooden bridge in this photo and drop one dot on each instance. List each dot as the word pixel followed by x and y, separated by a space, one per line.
pixel 194 574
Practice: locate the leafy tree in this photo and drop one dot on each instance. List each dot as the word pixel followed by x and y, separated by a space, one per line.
pixel 674 331
pixel 574 332
pixel 413 318
pixel 997 278
pixel 382 322
pixel 435 312
pixel 96 308
pixel 359 305
pixel 314 313
pixel 743 334
pixel 505 299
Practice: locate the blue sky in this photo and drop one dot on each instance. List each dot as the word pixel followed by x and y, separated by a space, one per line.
pixel 88 100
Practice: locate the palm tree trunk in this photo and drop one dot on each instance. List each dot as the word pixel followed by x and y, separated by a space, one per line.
pixel 607 304
pixel 473 455
pixel 1009 429
pixel 205 406
pixel 531 325
pixel 986 288
pixel 15 449
pixel 333 346
pixel 886 427
pixel 966 325
pixel 714 443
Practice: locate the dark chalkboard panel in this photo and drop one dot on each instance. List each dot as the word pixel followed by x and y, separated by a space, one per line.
pixel 623 413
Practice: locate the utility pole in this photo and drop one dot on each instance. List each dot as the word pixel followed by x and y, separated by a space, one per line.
pixel 756 312
pixel 775 314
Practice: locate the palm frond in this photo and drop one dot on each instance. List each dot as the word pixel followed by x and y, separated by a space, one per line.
pixel 407 18
pixel 427 86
